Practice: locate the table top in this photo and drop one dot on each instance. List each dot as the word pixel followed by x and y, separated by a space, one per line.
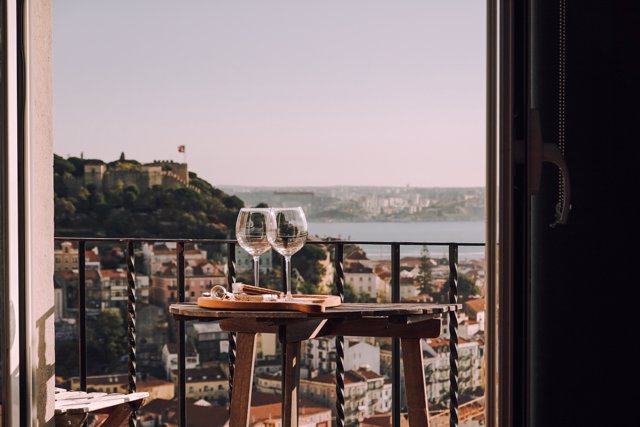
pixel 186 311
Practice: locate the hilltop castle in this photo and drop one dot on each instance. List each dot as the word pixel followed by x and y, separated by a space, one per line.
pixel 165 174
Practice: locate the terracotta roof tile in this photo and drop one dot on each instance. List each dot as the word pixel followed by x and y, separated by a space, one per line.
pixel 474 305
pixel 368 374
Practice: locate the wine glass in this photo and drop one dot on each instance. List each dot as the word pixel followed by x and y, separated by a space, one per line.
pixel 287 235
pixel 251 232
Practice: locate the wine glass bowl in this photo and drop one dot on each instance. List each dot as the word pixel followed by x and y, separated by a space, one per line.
pixel 287 234
pixel 251 232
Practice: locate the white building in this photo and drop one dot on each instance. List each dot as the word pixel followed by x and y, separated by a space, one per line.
pixel 366 393
pixel 408 288
pixel 65 256
pixel 114 284
pixel 384 283
pixel 210 384
pixel 170 358
pixel 362 279
pixel 266 346
pixel 209 340
pixel 475 310
pixel 269 383
pixel 244 262
pixel 436 361
pixel 360 354
pixel 319 355
pixel 161 253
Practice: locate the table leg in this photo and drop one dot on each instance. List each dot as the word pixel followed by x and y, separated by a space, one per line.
pixel 415 382
pixel 243 377
pixel 291 375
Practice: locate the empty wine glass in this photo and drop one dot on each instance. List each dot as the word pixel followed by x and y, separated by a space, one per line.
pixel 251 232
pixel 287 235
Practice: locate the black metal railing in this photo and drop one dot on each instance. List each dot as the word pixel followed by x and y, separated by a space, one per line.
pixel 339 281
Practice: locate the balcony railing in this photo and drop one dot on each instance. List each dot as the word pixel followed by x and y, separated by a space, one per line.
pixel 339 281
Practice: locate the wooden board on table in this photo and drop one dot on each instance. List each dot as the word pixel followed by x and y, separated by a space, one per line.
pixel 303 303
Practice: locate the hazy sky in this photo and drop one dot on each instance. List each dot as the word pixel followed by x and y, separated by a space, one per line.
pixel 275 92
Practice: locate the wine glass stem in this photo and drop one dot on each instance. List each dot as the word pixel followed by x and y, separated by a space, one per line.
pixel 256 270
pixel 287 264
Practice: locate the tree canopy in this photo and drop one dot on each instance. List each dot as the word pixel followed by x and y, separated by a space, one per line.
pixel 425 279
pixel 467 289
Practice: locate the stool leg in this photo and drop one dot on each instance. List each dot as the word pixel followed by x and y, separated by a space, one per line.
pixel 73 420
pixel 291 375
pixel 120 414
pixel 415 382
pixel 243 377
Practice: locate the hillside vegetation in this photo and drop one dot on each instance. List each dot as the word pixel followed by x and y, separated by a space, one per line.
pixel 197 211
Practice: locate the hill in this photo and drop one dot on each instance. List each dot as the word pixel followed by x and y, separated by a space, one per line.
pixel 125 198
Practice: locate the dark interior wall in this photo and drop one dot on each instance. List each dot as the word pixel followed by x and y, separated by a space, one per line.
pixel 584 281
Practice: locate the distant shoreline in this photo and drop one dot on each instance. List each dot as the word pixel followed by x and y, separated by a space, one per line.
pixel 393 220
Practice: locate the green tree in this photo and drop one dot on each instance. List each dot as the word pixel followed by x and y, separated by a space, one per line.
pixel 78 164
pixel 364 297
pixel 62 166
pixel 425 278
pixel 106 340
pixel 130 195
pixel 349 293
pixel 67 357
pixel 308 262
pixel 307 288
pixel 466 290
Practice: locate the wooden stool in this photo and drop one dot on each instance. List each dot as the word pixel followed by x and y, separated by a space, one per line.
pixel 74 407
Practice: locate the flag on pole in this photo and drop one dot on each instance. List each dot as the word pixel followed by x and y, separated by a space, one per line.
pixel 180 148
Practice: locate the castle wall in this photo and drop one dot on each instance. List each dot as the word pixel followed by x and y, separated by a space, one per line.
pixel 155 174
pixel 169 179
pixel 94 174
pixel 128 178
pixel 181 170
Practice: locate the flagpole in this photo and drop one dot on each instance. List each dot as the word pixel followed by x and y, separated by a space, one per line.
pixel 183 149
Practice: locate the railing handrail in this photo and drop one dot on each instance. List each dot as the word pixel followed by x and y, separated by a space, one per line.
pixel 226 241
pixel 231 273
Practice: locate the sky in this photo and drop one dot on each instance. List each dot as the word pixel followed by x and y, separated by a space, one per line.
pixel 277 92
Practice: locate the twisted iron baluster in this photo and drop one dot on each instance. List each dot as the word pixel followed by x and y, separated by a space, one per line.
pixel 231 279
pixel 453 336
pixel 396 386
pixel 131 323
pixel 82 313
pixel 182 343
pixel 339 281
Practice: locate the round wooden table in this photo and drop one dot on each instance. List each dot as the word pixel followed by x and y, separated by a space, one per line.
pixel 408 322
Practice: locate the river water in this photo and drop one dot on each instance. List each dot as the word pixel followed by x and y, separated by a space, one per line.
pixel 453 231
